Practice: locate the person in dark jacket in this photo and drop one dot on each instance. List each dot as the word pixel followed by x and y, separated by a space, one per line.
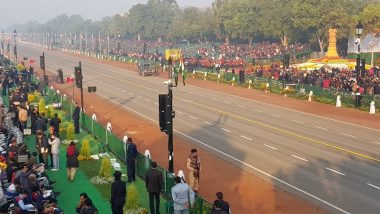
pixel 40 124
pixel 34 114
pixel 88 208
pixel 131 160
pixel 42 146
pixel 54 122
pixel 153 183
pixel 76 116
pixel 72 163
pixel 82 199
pixel 220 204
pixel 118 193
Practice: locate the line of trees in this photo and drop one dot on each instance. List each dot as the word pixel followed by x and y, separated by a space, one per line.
pixel 227 20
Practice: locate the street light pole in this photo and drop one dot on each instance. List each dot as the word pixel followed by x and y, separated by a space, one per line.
pixel 359 32
pixel 15 37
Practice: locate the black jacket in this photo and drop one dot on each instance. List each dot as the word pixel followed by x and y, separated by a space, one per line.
pixel 118 193
pixel 153 180
pixel 76 113
pixel 55 121
pixel 40 124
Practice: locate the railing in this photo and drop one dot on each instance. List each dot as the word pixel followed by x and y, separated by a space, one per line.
pixel 114 144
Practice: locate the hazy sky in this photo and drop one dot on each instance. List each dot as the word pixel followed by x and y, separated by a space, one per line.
pixel 21 11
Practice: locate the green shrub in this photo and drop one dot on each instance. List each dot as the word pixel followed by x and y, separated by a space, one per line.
pixel 70 131
pixel 132 197
pixel 105 168
pixel 85 150
pixel 41 106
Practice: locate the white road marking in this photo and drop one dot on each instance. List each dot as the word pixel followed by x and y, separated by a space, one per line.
pixel 241 106
pixel 289 109
pixel 373 186
pixel 208 123
pixel 226 130
pixel 193 118
pixel 242 162
pixel 245 137
pixel 226 102
pixel 275 115
pixel 337 172
pixel 274 148
pixel 297 121
pixel 295 156
pixel 376 143
pixel 179 112
pixel 258 110
pixel 347 135
pixel 318 127
pixel 148 100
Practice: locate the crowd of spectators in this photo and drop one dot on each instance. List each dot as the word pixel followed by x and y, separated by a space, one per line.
pixel 23 179
pixel 339 79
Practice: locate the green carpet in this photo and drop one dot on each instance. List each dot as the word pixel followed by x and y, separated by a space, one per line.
pixel 70 191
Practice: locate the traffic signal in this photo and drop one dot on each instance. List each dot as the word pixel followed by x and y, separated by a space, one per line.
pixel 42 62
pixel 78 76
pixel 166 113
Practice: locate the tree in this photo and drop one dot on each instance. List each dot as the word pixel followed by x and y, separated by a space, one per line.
pixel 370 17
pixel 319 16
pixel 242 19
pixel 277 20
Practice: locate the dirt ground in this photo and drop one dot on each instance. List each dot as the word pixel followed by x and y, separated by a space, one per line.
pixel 246 192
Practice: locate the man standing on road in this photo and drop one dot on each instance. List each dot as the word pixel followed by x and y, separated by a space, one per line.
pixel 194 167
pixel 153 183
pixel 131 160
pixel 183 197
pixel 76 116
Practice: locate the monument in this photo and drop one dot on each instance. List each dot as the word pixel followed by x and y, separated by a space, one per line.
pixel 331 50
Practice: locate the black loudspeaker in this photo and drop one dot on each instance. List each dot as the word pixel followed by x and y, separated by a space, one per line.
pixel 60 76
pixel 162 103
pixel 241 76
pixel 91 89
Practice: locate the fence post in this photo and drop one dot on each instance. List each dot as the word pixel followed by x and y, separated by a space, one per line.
pixel 92 122
pixel 372 109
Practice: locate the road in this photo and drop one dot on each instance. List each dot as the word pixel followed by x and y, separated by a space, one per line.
pixel 328 162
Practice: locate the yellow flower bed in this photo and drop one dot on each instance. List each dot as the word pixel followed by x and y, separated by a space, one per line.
pixel 82 157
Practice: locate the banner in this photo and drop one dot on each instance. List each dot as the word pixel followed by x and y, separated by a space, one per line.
pixel 174 53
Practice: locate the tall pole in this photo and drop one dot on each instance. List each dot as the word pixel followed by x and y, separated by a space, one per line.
pixel 170 132
pixel 15 50
pixel 81 86
pixel 43 55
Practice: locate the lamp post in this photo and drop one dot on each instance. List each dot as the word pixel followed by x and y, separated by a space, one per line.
pixel 359 33
pixel 15 37
pixel 2 42
pixel 118 44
